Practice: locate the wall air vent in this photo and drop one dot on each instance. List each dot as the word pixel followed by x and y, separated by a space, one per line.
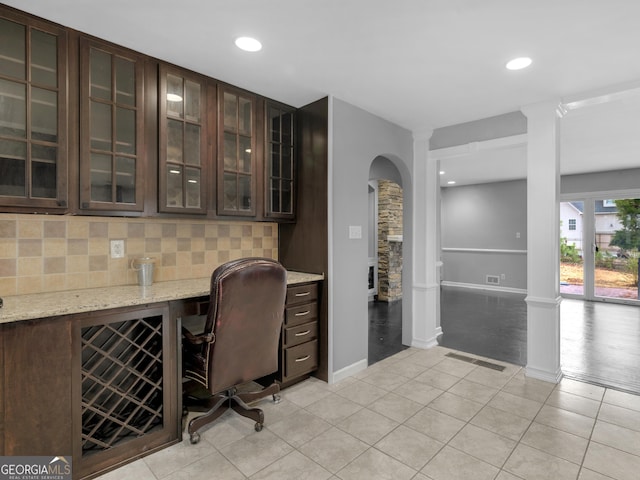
pixel 493 280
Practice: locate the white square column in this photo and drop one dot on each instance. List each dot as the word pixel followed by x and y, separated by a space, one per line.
pixel 543 241
pixel 426 245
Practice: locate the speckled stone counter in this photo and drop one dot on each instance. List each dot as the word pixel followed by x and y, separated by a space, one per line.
pixel 41 305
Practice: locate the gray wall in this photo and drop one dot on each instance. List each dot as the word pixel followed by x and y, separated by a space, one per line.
pixel 483 218
pixel 358 137
pixel 600 181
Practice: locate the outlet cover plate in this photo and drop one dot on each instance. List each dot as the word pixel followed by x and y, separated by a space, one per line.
pixel 117 248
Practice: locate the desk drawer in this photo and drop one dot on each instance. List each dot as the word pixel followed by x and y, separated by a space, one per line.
pixel 302 294
pixel 300 334
pixel 301 359
pixel 300 314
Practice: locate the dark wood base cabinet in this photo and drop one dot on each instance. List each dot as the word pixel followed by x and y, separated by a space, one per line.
pixel 101 387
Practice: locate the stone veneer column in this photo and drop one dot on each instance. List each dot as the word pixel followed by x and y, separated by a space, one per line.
pixel 543 241
pixel 426 283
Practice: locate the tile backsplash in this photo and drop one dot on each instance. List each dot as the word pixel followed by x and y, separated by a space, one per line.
pixel 42 253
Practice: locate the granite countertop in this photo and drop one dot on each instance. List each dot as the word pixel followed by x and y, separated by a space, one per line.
pixel 42 305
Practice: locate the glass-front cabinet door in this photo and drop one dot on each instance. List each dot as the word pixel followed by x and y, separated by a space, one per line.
pixel 236 153
pixel 33 157
pixel 280 162
pixel 111 128
pixel 183 142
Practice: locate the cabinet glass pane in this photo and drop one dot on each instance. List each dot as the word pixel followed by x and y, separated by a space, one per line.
pixel 125 180
pixel 42 153
pixel 244 164
pixel 44 115
pixel 244 116
pixel 12 49
pixel 101 177
pixel 125 82
pixel 192 144
pixel 125 131
pixel 286 196
pixel 175 96
pixel 275 195
pixel 13 168
pixel 287 163
pixel 230 112
pixel 100 126
pixel 275 160
pixel 44 60
pixel 174 141
pixel 230 192
pixel 192 101
pixel 100 74
pixel 174 186
pixel 13 109
pixel 230 152
pixel 193 187
pixel 43 179
pixel 244 192
pixel 274 121
pixel 287 128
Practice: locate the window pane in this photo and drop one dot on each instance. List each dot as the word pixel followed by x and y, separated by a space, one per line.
pixel 193 187
pixel 230 192
pixel 192 144
pixel 100 126
pixel 12 49
pixel 174 141
pixel 125 82
pixel 44 59
pixel 244 192
pixel 244 116
pixel 230 112
pixel 174 186
pixel 44 115
pixel 125 131
pixel 13 109
pixel 192 101
pixel 100 74
pixel 125 180
pixel 245 155
pixel 13 168
pixel 101 178
pixel 175 96
pixel 230 152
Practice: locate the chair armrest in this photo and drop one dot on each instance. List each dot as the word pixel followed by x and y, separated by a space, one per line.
pixel 198 339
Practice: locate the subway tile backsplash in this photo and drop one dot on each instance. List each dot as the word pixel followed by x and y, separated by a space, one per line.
pixel 42 253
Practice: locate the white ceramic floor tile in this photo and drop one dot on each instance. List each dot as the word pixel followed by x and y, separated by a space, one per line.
pixel 529 388
pixel 501 422
pixel 566 421
pixel 409 446
pixel 483 444
pixel 299 427
pixel 362 393
pixel 419 392
pixel 574 403
pixel 532 464
pixel 254 452
pixel 622 399
pixel 294 466
pixel 620 416
pixel 367 425
pixel 515 404
pixel 556 442
pixel 473 391
pixel 176 457
pixel 138 470
pixel 211 467
pixel 458 407
pixel 434 424
pixel 612 462
pixel 583 389
pixel 375 465
pixel 618 437
pixel 333 408
pixel 334 449
pixel 395 407
pixel 452 464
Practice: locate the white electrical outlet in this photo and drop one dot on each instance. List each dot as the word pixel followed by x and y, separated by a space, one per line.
pixel 117 248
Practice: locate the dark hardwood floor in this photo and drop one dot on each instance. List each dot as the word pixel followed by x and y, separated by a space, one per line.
pixel 600 342
pixel 385 330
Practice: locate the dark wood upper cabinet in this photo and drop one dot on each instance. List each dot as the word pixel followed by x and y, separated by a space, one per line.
pixel 111 128
pixel 279 161
pixel 33 113
pixel 237 154
pixel 183 132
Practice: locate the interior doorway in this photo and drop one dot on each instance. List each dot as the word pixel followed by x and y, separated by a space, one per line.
pixel 385 269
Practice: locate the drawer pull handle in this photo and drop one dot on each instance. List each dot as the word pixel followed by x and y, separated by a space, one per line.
pixel 302 359
pixel 302 314
pixel 302 334
pixel 303 294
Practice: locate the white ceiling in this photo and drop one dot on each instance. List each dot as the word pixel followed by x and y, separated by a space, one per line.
pixel 418 63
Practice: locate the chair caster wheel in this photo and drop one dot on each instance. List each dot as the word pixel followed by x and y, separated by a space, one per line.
pixel 194 438
pixel 258 427
pixel 276 398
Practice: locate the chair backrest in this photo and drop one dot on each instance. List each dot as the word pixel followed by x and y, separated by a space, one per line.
pixel 245 314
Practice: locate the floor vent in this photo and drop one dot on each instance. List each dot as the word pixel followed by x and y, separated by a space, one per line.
pixel 476 361
pixel 493 280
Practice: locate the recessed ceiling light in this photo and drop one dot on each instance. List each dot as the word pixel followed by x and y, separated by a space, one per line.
pixel 518 63
pixel 442 172
pixel 173 97
pixel 451 182
pixel 248 44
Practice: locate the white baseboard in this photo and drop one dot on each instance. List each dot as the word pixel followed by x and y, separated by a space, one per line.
pixel 477 286
pixel 543 375
pixel 348 371
pixel 429 343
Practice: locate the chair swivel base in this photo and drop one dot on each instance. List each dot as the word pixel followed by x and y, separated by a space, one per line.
pixel 217 404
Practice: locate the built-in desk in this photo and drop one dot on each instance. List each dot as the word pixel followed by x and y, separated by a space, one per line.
pixel 95 374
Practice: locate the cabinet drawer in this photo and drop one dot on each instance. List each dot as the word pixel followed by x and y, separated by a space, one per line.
pixel 300 314
pixel 301 359
pixel 300 334
pixel 302 293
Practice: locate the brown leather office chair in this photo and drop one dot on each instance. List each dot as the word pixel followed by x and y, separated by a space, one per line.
pixel 240 340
